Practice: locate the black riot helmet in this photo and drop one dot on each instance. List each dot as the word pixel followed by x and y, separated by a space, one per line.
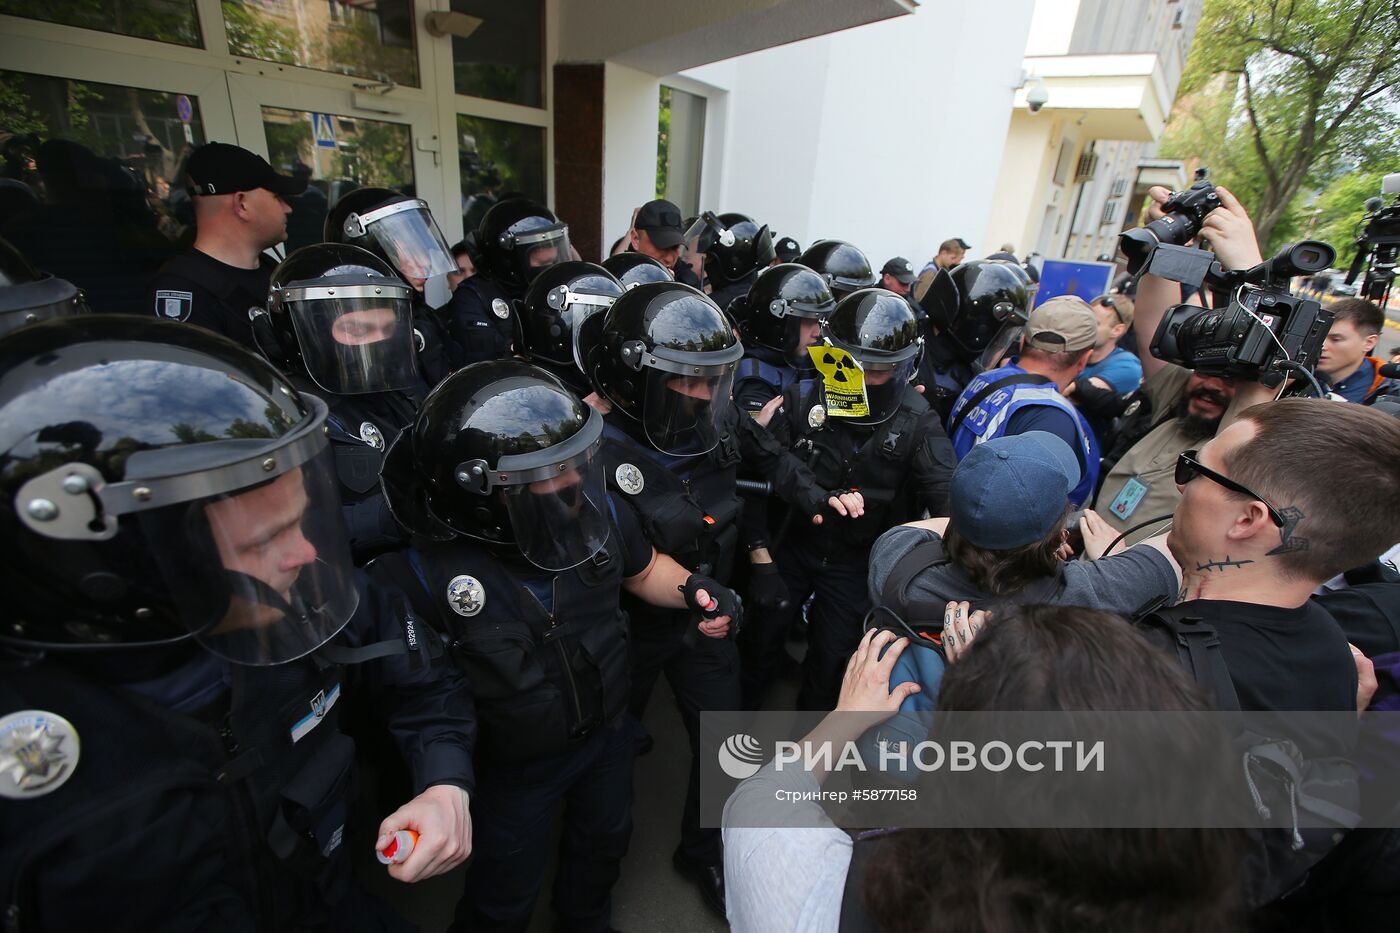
pixel 739 247
pixel 401 231
pixel 162 484
pixel 979 307
pixel 552 317
pixel 633 269
pixel 845 268
pixel 340 315
pixel 880 330
pixel 503 452
pixel 665 359
pixel 28 295
pixel 517 238
pixel 782 297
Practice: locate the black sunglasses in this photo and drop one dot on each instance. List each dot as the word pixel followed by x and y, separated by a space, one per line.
pixel 1108 302
pixel 1188 468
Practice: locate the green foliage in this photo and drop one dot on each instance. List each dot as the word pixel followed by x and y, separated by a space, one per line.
pixel 1282 96
pixel 376 155
pixel 513 152
pixel 16 114
pixel 663 142
pixel 258 35
pixel 357 50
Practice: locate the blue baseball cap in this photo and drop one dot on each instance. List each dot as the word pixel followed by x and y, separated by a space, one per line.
pixel 1012 491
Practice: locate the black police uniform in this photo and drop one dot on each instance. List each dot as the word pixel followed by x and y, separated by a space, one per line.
pixel 436 353
pixel 722 295
pixel 223 809
pixel 546 657
pixel 943 374
pixel 479 321
pixel 689 508
pixel 762 375
pixel 902 467
pixel 196 288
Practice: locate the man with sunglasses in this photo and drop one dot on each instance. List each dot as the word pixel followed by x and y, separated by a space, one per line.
pixel 1112 372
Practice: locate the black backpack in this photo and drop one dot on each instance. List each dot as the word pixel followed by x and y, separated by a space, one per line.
pixel 1279 776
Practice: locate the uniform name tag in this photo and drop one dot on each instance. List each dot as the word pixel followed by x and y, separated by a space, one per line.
pixel 1128 498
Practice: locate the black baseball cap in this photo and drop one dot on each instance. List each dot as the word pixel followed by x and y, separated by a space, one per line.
pixel 662 221
pixel 900 269
pixel 787 249
pixel 221 168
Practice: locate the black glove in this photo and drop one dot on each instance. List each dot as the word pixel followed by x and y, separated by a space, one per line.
pixel 723 600
pixel 767 589
pixel 1098 401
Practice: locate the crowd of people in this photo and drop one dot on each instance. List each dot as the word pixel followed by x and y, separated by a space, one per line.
pixel 494 492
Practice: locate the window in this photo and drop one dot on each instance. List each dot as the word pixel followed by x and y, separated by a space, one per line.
pixel 503 58
pixel 680 147
pixel 494 159
pixel 172 21
pixel 1110 213
pixel 96 193
pixel 365 38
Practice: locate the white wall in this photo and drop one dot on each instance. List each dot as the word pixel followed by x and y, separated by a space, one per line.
pixel 888 135
pixel 631 108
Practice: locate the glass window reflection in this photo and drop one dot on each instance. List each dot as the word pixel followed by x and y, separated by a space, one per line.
pixel 172 21
pixel 364 38
pixel 503 57
pixel 496 159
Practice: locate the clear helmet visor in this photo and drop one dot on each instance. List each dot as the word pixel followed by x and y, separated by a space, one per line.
pixel 562 521
pixel 536 251
pixel 1005 344
pixel 356 345
pixel 682 413
pixel 261 576
pixel 411 240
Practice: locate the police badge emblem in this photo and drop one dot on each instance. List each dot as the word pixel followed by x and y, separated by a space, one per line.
pixel 500 308
pixel 38 752
pixel 173 305
pixel 816 417
pixel 466 595
pixel 371 435
pixel 629 479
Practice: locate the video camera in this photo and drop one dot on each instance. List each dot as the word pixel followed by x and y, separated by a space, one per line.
pixel 1262 333
pixel 1378 244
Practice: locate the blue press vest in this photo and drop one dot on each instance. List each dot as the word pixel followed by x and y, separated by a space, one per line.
pixel 994 412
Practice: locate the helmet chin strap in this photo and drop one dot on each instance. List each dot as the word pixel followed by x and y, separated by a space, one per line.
pixel 256 591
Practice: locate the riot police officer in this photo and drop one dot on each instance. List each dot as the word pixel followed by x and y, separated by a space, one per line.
pixel 845 268
pixel 778 320
pixel 633 269
pixel 339 324
pixel 517 239
pixel 883 440
pixel 28 295
pixel 738 251
pixel 519 560
pixel 975 313
pixel 180 602
pixel 401 231
pixel 560 304
pixel 663 366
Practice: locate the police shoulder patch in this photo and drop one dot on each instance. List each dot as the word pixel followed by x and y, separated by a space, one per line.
pixel 174 305
pixel 816 417
pixel 500 308
pixel 38 753
pixel 466 595
pixel 371 435
pixel 629 479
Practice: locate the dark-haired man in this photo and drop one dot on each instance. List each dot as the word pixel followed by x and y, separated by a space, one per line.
pixel 1346 358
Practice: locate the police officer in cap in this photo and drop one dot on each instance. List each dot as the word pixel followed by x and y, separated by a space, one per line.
pixel 664 367
pixel 845 268
pixel 881 439
pixel 240 208
pixel 975 314
pixel 401 231
pixel 181 604
pixel 517 239
pixel 340 325
pixel 28 295
pixel 519 560
pixel 737 253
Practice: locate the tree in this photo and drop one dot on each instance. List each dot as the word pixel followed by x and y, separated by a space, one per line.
pixel 1284 95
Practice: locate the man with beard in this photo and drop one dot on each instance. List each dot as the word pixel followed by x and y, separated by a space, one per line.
pixel 1188 407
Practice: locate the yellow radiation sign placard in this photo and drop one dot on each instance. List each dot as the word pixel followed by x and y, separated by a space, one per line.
pixel 844 381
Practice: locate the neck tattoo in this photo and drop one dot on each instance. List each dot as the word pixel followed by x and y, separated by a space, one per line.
pixel 1221 565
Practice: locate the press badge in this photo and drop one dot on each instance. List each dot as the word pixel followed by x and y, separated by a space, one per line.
pixel 1127 500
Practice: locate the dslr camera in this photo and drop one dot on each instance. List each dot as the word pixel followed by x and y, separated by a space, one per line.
pixel 1378 244
pixel 1183 213
pixel 1262 332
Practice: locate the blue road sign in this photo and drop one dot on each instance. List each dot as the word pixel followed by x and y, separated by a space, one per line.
pixel 184 108
pixel 323 130
pixel 1086 279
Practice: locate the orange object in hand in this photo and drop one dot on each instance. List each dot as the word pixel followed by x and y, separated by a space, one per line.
pixel 399 848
